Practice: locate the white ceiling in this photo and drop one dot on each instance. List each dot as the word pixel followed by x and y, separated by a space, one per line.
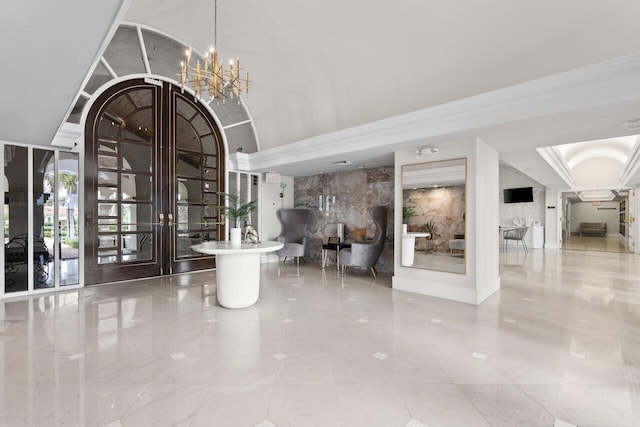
pixel 323 67
pixel 47 50
pixel 597 164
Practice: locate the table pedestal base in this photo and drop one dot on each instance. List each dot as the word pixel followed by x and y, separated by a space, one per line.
pixel 238 279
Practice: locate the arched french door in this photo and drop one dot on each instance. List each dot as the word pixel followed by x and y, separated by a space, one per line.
pixel 154 163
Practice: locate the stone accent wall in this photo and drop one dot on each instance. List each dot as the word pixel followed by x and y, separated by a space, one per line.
pixel 444 206
pixel 347 197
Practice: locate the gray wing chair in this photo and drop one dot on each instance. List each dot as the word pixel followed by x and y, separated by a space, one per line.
pixel 294 228
pixel 366 254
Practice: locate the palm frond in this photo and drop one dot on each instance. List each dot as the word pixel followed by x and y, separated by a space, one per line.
pixel 236 207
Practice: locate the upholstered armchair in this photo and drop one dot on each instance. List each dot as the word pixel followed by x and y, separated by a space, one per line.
pixel 294 227
pixel 365 255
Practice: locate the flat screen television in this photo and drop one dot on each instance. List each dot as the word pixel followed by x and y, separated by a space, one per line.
pixel 518 195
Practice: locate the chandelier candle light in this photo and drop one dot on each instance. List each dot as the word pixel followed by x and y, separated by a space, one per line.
pixel 213 78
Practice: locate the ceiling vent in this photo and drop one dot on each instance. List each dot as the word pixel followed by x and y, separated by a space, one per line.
pixel 632 124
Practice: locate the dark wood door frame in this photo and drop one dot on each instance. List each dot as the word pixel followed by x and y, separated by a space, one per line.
pixel 164 256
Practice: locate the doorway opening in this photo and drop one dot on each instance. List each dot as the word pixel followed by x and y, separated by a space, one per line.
pixel 598 220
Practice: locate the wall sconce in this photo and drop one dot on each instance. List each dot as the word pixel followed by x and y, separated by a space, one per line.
pixel 428 151
pixel 282 187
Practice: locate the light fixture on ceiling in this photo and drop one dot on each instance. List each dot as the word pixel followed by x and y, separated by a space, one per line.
pixel 428 151
pixel 596 195
pixel 213 79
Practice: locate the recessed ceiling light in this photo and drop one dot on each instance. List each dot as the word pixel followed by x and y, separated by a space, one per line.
pixel 360 167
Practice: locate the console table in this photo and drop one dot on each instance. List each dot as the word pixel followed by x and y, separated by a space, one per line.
pixel 237 270
pixel 333 247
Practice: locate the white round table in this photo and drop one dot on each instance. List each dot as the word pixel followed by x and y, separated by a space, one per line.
pixel 408 247
pixel 237 270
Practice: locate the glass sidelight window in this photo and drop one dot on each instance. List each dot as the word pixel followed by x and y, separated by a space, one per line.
pixel 40 219
pixel 16 223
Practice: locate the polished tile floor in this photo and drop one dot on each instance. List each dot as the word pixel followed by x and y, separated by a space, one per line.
pixel 558 345
pixel 596 243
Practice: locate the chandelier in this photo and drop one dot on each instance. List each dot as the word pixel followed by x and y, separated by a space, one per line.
pixel 212 78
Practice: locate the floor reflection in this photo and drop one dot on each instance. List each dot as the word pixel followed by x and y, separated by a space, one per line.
pixel 596 243
pixel 559 341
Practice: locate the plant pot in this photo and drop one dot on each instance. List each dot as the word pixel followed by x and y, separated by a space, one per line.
pixel 235 236
pixel 404 228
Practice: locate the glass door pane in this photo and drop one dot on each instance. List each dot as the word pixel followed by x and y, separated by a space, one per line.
pixel 15 218
pixel 68 220
pixel 43 216
pixel 255 193
pixel 123 198
pixel 195 180
pixel 154 166
pixel 244 194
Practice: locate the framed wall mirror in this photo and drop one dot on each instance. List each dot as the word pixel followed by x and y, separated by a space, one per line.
pixel 434 215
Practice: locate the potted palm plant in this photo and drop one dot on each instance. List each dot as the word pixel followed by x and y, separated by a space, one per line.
pixel 407 212
pixel 236 209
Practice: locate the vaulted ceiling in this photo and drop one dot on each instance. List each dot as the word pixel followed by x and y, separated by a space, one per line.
pixel 321 67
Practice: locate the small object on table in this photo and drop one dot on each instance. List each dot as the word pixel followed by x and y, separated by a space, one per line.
pixel 250 234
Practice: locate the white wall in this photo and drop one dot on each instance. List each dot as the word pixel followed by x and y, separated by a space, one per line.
pixel 553 210
pixel 513 178
pixel 270 203
pixel 586 212
pixel 482 264
pixel 487 222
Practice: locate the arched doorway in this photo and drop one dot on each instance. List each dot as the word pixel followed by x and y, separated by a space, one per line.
pixel 154 163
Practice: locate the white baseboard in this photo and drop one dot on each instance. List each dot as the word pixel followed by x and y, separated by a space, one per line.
pixel 439 290
pixel 484 294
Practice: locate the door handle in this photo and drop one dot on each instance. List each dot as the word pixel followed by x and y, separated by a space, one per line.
pixel 161 219
pixel 169 220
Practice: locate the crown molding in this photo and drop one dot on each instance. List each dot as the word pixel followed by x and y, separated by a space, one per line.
pixel 632 164
pixel 589 86
pixel 552 156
